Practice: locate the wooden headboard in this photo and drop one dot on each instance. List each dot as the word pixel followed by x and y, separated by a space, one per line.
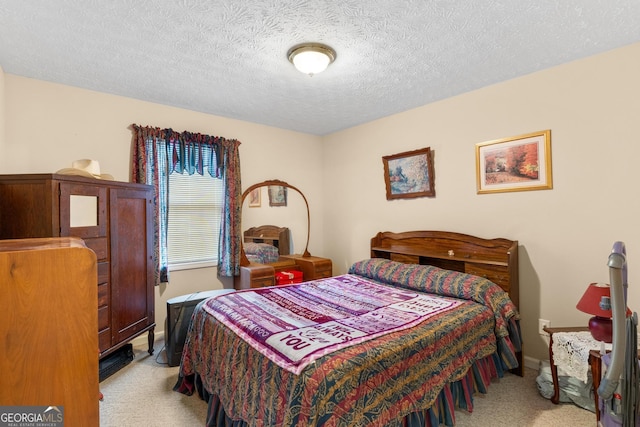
pixel 271 234
pixel 495 259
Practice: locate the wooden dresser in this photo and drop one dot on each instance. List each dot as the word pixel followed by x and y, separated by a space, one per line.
pixel 259 275
pixel 115 220
pixel 48 337
pixel 312 267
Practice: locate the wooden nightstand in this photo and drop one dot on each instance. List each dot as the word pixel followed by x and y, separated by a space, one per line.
pixel 554 369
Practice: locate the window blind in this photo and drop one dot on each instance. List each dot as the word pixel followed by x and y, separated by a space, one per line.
pixel 195 208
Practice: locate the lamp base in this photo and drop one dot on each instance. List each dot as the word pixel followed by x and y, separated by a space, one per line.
pixel 601 329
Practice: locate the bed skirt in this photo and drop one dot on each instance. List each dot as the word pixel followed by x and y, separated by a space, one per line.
pixel 457 394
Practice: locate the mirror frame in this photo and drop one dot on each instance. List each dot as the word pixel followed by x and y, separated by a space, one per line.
pixel 244 261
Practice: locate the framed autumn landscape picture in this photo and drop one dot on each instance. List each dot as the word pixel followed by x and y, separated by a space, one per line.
pixel 409 174
pixel 518 163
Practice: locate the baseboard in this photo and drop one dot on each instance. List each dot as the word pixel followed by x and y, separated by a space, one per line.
pixel 531 363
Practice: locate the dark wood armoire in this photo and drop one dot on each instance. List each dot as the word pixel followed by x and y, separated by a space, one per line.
pixel 115 220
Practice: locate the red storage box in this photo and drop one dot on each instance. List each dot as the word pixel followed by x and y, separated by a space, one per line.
pixel 288 277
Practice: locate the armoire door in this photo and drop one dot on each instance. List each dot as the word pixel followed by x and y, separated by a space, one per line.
pixel 132 287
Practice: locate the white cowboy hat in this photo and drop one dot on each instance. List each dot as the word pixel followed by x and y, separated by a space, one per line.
pixel 85 167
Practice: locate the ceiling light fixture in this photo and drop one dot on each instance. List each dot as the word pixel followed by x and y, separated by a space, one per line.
pixel 311 58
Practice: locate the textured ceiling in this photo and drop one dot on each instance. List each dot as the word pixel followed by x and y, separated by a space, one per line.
pixel 228 57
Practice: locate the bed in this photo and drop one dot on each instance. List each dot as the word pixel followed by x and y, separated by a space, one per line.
pixel 412 373
pixel 265 244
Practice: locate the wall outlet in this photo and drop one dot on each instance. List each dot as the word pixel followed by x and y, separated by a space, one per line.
pixel 542 324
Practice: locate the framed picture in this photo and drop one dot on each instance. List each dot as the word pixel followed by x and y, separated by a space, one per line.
pixel 254 198
pixel 519 163
pixel 409 174
pixel 277 195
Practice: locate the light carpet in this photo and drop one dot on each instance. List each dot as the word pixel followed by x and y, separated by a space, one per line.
pixel 141 394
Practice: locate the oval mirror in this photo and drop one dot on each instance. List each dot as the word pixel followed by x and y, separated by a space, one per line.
pixel 276 213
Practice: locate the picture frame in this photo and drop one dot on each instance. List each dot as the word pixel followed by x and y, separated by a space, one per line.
pixel 409 174
pixel 254 198
pixel 277 195
pixel 518 163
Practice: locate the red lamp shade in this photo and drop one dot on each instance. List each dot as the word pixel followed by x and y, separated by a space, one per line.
pixel 592 300
pixel 597 301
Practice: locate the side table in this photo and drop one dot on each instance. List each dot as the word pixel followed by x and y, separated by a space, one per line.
pixel 554 369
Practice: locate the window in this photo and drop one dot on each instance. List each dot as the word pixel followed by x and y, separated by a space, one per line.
pixel 195 209
pixel 159 152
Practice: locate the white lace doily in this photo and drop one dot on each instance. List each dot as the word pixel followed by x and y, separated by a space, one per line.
pixel 571 352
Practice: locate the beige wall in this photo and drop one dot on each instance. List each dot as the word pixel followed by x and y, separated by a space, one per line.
pixel 50 125
pixel 565 234
pixel 591 106
pixel 2 120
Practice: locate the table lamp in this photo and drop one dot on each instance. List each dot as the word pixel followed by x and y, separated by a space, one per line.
pixel 597 301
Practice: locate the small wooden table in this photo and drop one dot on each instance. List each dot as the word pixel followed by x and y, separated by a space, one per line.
pixel 595 363
pixel 554 369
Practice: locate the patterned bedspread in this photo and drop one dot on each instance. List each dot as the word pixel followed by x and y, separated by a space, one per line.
pixel 374 383
pixel 296 324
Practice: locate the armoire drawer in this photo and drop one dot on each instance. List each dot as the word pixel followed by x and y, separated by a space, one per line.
pixel 103 295
pixel 103 272
pixel 99 246
pixel 103 318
